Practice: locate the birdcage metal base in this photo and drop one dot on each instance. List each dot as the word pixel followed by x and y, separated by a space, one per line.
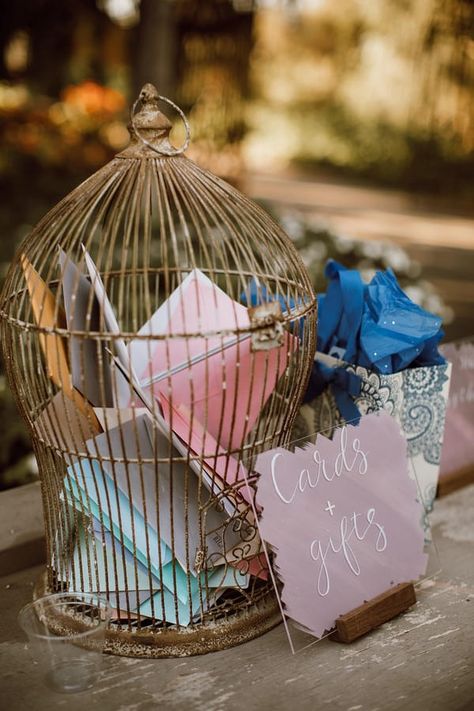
pixel 237 628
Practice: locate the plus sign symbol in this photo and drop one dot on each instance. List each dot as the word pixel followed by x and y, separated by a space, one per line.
pixel 330 508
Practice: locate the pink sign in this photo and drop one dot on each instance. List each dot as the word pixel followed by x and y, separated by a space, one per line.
pixel 458 443
pixel 343 519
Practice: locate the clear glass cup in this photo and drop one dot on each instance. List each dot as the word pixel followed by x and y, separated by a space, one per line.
pixel 66 634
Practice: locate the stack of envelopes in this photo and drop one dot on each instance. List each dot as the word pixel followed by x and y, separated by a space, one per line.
pixel 141 426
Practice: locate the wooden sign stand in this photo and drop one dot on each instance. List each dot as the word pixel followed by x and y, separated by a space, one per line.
pixel 455 480
pixel 374 613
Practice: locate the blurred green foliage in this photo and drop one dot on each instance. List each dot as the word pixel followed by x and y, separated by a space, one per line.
pixel 380 152
pixel 382 90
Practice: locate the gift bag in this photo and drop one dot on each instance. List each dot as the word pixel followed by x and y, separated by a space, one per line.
pixel 415 397
pixel 377 349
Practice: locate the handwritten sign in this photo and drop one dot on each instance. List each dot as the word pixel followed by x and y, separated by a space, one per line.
pixel 343 518
pixel 458 444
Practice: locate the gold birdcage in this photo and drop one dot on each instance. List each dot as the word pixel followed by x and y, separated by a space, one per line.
pixel 158 330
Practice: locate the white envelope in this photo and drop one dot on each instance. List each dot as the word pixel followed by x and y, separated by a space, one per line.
pixel 90 363
pixel 160 493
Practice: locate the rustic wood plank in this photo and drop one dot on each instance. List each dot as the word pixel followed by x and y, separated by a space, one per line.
pixel 374 613
pixel 22 542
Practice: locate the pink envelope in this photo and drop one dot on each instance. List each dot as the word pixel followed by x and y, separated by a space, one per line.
pixel 225 390
pixel 227 469
pixel 256 566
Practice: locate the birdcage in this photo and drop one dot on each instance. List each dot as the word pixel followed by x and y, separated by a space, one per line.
pixel 158 330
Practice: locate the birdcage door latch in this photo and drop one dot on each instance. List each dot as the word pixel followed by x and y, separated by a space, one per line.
pixel 267 326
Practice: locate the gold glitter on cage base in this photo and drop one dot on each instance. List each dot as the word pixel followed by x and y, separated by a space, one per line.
pixel 158 330
pixel 258 618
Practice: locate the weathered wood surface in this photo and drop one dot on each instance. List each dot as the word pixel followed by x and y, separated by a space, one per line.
pixel 420 661
pixel 373 613
pixel 22 540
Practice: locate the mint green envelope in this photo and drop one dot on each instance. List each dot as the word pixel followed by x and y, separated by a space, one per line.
pixel 129 527
pixel 109 572
pixel 165 493
pixel 108 504
pixel 104 564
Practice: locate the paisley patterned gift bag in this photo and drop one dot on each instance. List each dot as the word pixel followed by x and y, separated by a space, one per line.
pixel 415 397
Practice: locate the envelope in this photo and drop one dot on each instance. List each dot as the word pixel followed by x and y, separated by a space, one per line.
pixel 152 406
pixel 121 575
pixel 111 417
pixel 137 440
pixel 63 426
pixel 161 606
pixel 97 568
pixel 223 468
pixel 49 315
pixel 92 491
pixel 219 377
pixel 118 600
pixel 90 363
pixel 218 582
pixel 256 566
pixel 217 577
pixel 107 315
pixel 116 573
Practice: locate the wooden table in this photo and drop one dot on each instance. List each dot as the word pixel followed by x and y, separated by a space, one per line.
pixel 421 661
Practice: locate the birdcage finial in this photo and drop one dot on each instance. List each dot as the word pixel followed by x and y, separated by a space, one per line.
pixel 149 94
pixel 150 128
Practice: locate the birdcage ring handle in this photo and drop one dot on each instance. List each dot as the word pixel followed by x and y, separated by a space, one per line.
pixel 163 150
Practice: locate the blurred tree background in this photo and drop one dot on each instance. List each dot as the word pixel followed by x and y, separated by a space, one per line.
pixel 380 92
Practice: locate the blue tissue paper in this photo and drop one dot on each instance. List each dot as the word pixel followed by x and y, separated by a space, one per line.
pixel 375 325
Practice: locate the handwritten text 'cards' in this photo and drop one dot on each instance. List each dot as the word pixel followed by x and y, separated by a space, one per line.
pixel 343 519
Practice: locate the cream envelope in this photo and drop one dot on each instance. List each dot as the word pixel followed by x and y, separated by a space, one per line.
pixel 225 383
pixel 63 426
pixel 111 417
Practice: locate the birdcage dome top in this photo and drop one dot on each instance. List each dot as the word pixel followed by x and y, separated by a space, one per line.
pixel 151 216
